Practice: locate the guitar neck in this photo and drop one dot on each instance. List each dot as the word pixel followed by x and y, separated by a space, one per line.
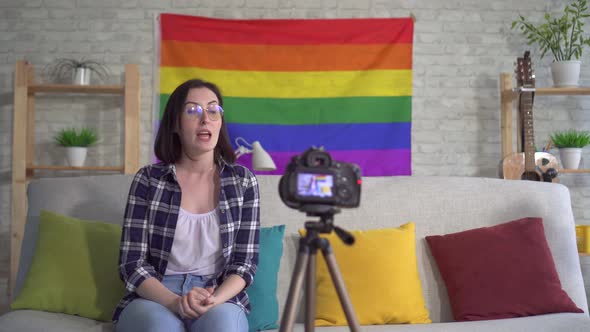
pixel 528 133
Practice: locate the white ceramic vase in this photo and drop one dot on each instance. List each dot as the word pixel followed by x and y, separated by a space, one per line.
pixel 76 155
pixel 570 157
pixel 81 76
pixel 565 73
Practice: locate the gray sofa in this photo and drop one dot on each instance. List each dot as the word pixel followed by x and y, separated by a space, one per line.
pixel 437 205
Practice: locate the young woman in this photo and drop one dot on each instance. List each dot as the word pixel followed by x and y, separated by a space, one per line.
pixel 189 247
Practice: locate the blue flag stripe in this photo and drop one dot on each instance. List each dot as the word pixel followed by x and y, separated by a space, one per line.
pixel 371 136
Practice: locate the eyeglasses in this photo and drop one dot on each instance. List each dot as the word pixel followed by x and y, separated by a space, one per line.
pixel 195 111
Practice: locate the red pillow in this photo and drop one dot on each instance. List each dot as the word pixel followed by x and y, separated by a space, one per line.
pixel 502 271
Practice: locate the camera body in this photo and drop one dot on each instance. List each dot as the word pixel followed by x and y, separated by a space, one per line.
pixel 313 178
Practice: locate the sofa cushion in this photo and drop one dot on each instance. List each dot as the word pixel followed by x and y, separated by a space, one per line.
pixel 501 271
pixel 74 268
pixel 97 197
pixel 264 312
pixel 31 320
pixel 381 276
pixel 34 320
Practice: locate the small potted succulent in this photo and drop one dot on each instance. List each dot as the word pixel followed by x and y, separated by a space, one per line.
pixel 563 37
pixel 570 143
pixel 76 143
pixel 75 71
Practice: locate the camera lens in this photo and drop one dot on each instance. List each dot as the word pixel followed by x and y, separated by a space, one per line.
pixel 344 192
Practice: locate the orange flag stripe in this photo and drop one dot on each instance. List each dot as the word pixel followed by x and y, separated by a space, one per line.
pixel 286 57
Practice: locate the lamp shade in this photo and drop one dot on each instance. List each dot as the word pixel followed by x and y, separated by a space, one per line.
pixel 261 160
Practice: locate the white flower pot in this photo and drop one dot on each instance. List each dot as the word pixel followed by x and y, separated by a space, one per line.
pixel 81 76
pixel 565 73
pixel 76 155
pixel 570 157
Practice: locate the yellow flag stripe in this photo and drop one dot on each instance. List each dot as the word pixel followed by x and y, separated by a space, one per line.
pixel 311 84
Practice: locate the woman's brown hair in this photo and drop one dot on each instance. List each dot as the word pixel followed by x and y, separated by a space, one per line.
pixel 168 147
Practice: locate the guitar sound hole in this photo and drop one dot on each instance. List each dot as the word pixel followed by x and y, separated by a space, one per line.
pixel 532 176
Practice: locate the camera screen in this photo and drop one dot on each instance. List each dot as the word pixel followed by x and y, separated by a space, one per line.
pixel 314 185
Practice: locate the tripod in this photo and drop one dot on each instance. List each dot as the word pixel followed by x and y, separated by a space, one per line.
pixel 306 265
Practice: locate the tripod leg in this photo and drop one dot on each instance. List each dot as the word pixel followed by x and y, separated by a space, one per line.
pixel 295 287
pixel 310 291
pixel 340 288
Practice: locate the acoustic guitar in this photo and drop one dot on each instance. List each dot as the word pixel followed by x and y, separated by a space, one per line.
pixel 528 165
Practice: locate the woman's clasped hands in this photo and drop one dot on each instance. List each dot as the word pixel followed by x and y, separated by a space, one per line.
pixel 195 303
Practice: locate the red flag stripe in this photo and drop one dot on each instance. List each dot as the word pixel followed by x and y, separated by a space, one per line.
pixel 286 32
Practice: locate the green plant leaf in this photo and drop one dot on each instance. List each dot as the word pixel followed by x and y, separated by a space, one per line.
pixel 558 34
pixel 62 69
pixel 571 138
pixel 72 137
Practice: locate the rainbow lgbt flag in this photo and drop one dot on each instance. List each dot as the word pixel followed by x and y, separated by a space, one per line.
pixel 344 84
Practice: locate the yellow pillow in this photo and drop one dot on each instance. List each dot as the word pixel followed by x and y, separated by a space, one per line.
pixel 381 276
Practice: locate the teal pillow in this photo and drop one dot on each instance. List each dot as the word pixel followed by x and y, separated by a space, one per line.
pixel 74 268
pixel 264 307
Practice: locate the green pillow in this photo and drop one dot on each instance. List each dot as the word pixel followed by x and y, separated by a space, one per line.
pixel 264 307
pixel 74 268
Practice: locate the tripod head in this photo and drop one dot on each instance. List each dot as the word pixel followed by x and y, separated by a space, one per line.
pixel 326 223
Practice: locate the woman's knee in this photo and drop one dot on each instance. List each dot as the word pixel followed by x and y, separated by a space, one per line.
pixel 146 315
pixel 224 317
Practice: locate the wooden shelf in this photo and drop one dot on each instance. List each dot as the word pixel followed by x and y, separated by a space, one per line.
pixel 563 91
pixel 23 141
pixel 82 168
pixel 580 170
pixel 508 95
pixel 87 89
pixel 550 91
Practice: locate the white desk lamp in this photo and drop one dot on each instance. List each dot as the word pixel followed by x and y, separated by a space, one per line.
pixel 261 160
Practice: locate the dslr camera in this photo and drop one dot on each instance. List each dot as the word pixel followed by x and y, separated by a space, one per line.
pixel 313 179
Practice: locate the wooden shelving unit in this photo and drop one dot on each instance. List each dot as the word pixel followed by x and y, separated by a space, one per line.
pixel 581 170
pixel 85 89
pixel 508 96
pixel 23 142
pixel 83 168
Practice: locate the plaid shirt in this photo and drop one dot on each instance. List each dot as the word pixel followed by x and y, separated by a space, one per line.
pixel 150 221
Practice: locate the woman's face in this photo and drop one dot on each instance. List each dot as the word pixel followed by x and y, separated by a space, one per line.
pixel 199 125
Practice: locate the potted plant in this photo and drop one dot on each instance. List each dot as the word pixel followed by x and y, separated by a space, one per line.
pixel 76 144
pixel 75 71
pixel 562 36
pixel 570 143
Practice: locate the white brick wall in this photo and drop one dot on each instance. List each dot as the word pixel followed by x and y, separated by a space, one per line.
pixel 461 46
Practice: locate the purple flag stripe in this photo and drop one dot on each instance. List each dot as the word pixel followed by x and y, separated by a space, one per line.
pixel 371 162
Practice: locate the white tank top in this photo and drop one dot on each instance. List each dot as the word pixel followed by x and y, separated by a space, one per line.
pixel 196 248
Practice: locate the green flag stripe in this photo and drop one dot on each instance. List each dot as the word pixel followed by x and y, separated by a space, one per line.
pixel 314 110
